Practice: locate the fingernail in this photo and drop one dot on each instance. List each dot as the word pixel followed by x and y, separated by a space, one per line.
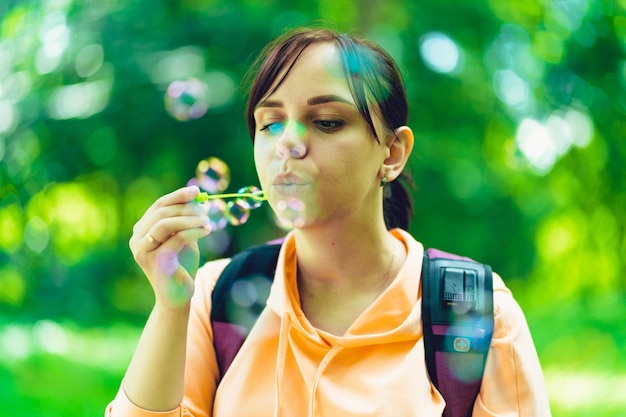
pixel 192 190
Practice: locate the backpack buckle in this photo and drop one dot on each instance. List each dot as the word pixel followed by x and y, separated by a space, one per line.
pixel 459 289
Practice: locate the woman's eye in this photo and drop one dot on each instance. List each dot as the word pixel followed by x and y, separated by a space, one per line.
pixel 273 128
pixel 329 125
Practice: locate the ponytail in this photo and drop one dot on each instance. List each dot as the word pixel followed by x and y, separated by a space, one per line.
pixel 397 203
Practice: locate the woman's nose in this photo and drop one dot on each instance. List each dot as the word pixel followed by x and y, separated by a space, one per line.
pixel 291 144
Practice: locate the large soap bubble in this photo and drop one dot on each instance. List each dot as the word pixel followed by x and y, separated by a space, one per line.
pixel 187 99
pixel 213 175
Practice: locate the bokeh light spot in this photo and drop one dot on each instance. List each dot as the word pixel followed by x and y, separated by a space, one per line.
pixel 581 127
pixel 51 337
pixel 16 86
pixel 164 67
pixel 12 286
pixel 15 342
pixel 222 88
pixel 78 215
pixel 510 88
pixel 542 144
pixel 36 234
pixel 534 141
pixel 9 118
pixel 80 100
pixel 55 38
pixel 89 60
pixel 11 232
pixel 440 53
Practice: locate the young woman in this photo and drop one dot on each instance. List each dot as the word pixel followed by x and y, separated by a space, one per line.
pixel 341 334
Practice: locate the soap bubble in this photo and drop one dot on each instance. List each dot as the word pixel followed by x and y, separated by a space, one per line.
pixel 249 202
pixel 290 212
pixel 217 214
pixel 213 175
pixel 246 300
pixel 237 213
pixel 187 99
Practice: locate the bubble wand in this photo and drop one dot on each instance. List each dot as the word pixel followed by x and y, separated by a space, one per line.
pixel 258 195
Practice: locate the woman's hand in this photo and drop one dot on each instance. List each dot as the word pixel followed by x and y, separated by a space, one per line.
pixel 165 245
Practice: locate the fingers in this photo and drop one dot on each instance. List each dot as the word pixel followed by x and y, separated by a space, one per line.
pixel 177 231
pixel 167 217
pixel 152 240
pixel 164 244
pixel 181 196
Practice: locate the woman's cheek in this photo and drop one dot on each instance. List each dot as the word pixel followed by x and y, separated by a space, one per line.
pixel 262 161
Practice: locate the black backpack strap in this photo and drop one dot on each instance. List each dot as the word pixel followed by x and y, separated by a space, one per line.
pixel 457 317
pixel 239 297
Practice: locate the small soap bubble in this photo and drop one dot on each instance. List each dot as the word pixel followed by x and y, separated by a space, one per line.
pixel 168 262
pixel 187 99
pixel 290 212
pixel 213 175
pixel 243 293
pixel 217 214
pixel 217 242
pixel 237 212
pixel 250 291
pixel 249 202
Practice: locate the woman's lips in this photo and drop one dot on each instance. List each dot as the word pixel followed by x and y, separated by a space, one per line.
pixel 288 178
pixel 288 184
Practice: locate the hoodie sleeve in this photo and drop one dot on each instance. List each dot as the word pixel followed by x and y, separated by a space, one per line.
pixel 513 383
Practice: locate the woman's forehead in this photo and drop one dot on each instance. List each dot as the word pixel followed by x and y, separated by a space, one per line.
pixel 319 67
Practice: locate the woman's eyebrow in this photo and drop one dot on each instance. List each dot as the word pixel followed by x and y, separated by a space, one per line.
pixel 330 98
pixel 313 101
pixel 269 103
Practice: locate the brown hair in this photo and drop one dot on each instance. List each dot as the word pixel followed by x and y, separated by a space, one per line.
pixel 375 83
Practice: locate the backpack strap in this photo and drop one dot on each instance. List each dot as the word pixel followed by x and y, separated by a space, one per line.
pixel 231 316
pixel 457 318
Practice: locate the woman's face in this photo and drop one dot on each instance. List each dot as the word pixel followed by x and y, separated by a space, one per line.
pixel 313 146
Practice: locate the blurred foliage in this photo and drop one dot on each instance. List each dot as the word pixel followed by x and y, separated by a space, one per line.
pixel 519 110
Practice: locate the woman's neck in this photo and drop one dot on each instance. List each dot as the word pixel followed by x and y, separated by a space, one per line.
pixel 344 258
pixel 340 275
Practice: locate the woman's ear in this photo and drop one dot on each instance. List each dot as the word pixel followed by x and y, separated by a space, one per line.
pixel 400 143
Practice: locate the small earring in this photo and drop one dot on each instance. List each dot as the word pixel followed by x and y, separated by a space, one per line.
pixel 383 181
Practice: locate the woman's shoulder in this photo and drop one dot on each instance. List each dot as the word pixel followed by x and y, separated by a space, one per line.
pixel 508 314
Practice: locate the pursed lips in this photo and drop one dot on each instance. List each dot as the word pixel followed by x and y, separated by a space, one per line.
pixel 288 179
pixel 288 185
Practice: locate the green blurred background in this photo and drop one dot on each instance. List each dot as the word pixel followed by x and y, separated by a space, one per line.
pixel 519 110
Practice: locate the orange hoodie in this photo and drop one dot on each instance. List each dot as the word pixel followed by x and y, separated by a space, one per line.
pixel 287 367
